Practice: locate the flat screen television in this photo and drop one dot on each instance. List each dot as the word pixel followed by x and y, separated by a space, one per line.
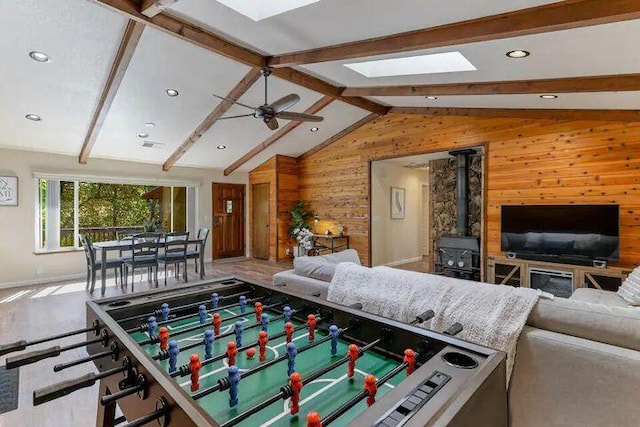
pixel 572 234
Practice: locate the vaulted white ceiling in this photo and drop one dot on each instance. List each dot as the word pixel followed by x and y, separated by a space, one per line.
pixel 82 39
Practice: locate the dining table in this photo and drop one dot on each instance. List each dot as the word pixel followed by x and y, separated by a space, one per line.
pixel 125 244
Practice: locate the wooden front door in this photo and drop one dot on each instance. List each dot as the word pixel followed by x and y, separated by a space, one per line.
pixel 228 220
pixel 260 220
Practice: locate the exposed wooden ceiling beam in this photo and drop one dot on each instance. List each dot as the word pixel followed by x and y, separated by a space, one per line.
pixel 551 114
pixel 128 44
pixel 217 44
pixel 247 81
pixel 315 108
pixel 344 132
pixel 151 8
pixel 614 83
pixel 542 19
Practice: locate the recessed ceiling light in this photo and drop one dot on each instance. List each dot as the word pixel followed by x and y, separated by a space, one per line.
pixel 150 124
pixel 221 147
pixel 518 54
pixel 171 92
pixel 447 62
pixel 143 135
pixel 548 96
pixel 39 56
pixel 431 97
pixel 33 117
pixel 314 129
pixel 259 10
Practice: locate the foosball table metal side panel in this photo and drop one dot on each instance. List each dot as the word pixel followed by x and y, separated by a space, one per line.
pixel 461 399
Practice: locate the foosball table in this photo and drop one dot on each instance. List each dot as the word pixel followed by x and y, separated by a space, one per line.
pixel 233 353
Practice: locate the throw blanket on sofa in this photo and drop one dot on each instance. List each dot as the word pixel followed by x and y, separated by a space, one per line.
pixel 492 315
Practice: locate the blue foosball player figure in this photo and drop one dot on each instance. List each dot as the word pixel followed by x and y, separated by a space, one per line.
pixel 214 300
pixel 164 309
pixel 202 312
pixel 174 350
pixel 333 333
pixel 238 330
pixel 287 313
pixel 234 380
pixel 152 326
pixel 291 352
pixel 243 303
pixel 208 343
pixel 264 320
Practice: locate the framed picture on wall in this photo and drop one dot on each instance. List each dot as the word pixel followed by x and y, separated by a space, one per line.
pixel 397 203
pixel 8 191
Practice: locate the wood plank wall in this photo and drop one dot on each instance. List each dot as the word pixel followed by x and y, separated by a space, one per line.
pixel 281 173
pixel 528 162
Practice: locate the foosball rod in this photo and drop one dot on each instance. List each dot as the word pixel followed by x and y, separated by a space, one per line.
pixel 63 388
pixel 164 354
pixel 223 383
pixel 35 356
pixel 145 326
pixel 23 344
pixel 185 370
pixel 362 395
pixel 162 411
pixel 158 312
pixel 286 391
pixel 114 351
pixel 154 340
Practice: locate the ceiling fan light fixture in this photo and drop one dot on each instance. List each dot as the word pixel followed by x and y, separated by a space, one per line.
pixel 549 96
pixel 33 117
pixel 314 129
pixel 150 124
pixel 172 92
pixel 221 147
pixel 143 135
pixel 518 54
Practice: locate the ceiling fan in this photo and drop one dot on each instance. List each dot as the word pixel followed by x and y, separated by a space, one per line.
pixel 269 113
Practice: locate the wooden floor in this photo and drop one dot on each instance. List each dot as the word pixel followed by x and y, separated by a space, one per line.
pixel 424 266
pixel 37 311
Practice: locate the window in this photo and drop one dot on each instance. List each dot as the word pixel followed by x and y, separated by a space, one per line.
pixel 68 208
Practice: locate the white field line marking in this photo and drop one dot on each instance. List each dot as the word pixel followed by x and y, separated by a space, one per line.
pixel 322 390
pixel 285 342
pixel 225 365
pixel 364 374
pixel 199 336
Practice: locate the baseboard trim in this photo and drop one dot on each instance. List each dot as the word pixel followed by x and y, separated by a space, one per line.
pixel 42 280
pixel 403 261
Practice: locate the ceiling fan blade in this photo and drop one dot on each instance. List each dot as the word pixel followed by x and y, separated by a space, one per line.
pixel 235 102
pixel 237 116
pixel 284 103
pixel 299 117
pixel 272 123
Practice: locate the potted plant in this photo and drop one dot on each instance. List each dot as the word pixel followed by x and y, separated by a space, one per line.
pixel 300 228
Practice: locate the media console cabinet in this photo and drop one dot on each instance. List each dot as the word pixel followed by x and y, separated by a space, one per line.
pixel 559 279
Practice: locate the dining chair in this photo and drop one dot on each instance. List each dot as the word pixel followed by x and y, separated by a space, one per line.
pixel 175 252
pixel 203 235
pixel 144 254
pixel 94 264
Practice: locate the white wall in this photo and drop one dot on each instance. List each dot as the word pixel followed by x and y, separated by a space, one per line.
pixel 19 265
pixel 396 241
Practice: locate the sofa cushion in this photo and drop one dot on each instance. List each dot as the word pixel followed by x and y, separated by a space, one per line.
pixel 597 296
pixel 619 326
pixel 322 267
pixel 301 284
pixel 630 288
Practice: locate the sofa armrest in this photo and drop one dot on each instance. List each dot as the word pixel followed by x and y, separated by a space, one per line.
pixel 301 284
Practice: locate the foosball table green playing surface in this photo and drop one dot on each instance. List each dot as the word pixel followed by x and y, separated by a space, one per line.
pixel 234 353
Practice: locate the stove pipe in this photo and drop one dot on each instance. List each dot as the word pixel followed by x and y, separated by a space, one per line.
pixel 462 189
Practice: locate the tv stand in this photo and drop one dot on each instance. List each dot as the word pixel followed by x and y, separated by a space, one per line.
pixel 517 272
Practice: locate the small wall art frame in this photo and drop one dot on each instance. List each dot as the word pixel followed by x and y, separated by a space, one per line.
pixel 8 191
pixel 397 203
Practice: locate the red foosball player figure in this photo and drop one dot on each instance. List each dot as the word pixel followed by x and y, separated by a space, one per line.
pixel 216 323
pixel 311 322
pixel 263 339
pixel 313 419
pixel 370 387
pixel 163 337
pixel 258 311
pixel 195 365
pixel 295 381
pixel 288 329
pixel 410 360
pixel 353 356
pixel 232 351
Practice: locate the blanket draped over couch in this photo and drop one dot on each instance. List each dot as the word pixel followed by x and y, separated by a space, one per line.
pixel 492 315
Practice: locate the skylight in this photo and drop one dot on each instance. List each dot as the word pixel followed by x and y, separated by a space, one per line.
pixel 447 62
pixel 262 9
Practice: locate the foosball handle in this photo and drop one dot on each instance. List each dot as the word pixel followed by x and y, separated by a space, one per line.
pixel 454 329
pixel 32 357
pixel 357 306
pixel 421 318
pixel 10 348
pixel 63 388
